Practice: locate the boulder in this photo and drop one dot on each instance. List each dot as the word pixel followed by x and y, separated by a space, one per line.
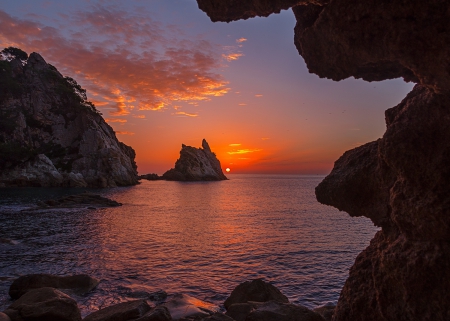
pixel 125 311
pixel 217 317
pixel 196 164
pixel 4 317
pixel 44 304
pixel 159 313
pixel 184 306
pixel 240 311
pixel 276 311
pixel 79 284
pixel 326 311
pixel 79 200
pixel 256 290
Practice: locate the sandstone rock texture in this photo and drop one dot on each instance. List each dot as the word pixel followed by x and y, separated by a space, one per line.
pixel 401 181
pixel 196 164
pixel 50 134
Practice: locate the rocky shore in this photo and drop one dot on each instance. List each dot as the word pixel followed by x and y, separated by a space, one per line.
pixel 48 297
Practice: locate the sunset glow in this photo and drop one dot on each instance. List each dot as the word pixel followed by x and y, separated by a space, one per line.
pixel 162 74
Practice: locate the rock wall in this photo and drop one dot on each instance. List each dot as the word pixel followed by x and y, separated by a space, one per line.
pixel 50 135
pixel 401 181
pixel 196 164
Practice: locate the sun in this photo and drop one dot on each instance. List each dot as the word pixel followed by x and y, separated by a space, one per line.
pixel 227 170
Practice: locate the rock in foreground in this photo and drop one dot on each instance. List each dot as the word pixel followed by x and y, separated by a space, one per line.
pixel 50 134
pixel 196 164
pixel 44 304
pixel 79 284
pixel 79 201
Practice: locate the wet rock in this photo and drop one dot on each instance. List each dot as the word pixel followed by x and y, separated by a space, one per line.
pixel 196 164
pixel 44 304
pixel 159 313
pixel 131 310
pixel 184 306
pixel 326 311
pixel 256 290
pixel 240 311
pixel 79 284
pixel 79 200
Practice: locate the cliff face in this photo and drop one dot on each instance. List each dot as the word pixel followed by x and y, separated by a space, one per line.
pixel 401 181
pixel 50 135
pixel 196 164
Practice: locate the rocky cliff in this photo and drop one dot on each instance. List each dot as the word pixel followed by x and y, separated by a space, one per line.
pixel 401 181
pixel 196 164
pixel 50 134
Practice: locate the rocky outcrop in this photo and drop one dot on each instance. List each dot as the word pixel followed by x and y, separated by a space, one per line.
pixel 196 164
pixel 401 182
pixel 183 306
pixel 79 201
pixel 125 311
pixel 44 304
pixel 50 134
pixel 80 284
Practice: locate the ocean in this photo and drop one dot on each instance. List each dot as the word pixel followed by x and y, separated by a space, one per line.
pixel 197 238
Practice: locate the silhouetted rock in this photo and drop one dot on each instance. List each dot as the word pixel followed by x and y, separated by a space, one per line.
pixel 402 185
pixel 79 200
pixel 125 311
pixel 326 311
pixel 240 311
pixel 217 317
pixel 256 290
pixel 196 164
pixel 44 304
pixel 79 284
pixel 51 135
pixel 4 317
pixel 402 181
pixel 184 306
pixel 151 177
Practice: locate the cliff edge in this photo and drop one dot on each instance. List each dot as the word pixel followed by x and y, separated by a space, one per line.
pixel 401 181
pixel 196 164
pixel 50 134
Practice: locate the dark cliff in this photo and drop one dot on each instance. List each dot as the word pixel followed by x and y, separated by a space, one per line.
pixel 50 135
pixel 400 181
pixel 196 164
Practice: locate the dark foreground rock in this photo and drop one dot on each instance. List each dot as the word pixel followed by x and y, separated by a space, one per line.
pixel 402 181
pixel 256 290
pixel 79 284
pixel 44 304
pixel 50 134
pixel 196 164
pixel 4 317
pixel 79 200
pixel 326 311
pixel 151 177
pixel 121 312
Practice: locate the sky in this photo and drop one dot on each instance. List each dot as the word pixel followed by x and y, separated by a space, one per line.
pixel 162 74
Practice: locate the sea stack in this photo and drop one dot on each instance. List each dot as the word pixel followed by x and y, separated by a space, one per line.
pixel 50 134
pixel 196 164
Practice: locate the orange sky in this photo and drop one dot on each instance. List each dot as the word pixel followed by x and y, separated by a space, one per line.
pixel 162 74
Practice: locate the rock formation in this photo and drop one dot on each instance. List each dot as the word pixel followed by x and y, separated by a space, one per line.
pixel 50 134
pixel 401 181
pixel 196 164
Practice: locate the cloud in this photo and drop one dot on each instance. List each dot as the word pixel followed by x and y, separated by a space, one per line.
pixel 124 59
pixel 265 138
pixel 258 95
pixel 232 56
pixel 244 151
pixel 234 145
pixel 242 104
pixel 124 133
pixel 182 113
pixel 115 120
pixel 241 40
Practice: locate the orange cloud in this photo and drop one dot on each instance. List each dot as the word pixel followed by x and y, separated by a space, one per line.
pixel 139 116
pixel 242 104
pixel 115 120
pixel 258 95
pixel 182 113
pixel 232 56
pixel 244 151
pixel 241 40
pixel 265 138
pixel 234 145
pixel 124 133
pixel 157 67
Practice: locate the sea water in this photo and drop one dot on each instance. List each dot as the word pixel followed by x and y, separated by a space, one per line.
pixel 197 238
